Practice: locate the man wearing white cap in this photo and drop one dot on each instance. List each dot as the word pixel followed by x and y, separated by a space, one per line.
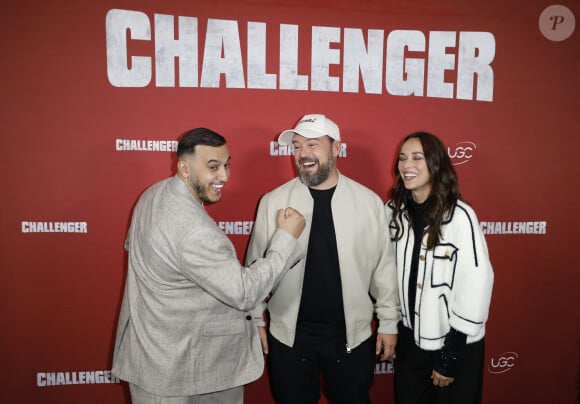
pixel 321 312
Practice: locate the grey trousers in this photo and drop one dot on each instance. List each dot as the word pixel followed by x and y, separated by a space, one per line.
pixel 231 396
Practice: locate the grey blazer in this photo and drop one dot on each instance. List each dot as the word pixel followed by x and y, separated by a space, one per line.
pixel 183 327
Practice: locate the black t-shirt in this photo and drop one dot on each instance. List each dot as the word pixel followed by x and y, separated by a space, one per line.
pixel 417 211
pixel 321 314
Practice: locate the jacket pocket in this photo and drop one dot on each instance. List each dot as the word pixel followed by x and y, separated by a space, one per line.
pixel 221 346
pixel 444 263
pixel 231 327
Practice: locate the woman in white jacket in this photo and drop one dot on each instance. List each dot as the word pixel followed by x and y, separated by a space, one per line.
pixel 444 277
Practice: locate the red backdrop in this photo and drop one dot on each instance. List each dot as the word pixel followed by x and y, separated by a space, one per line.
pixel 496 80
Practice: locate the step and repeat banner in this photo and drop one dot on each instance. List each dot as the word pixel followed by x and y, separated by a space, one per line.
pixel 96 94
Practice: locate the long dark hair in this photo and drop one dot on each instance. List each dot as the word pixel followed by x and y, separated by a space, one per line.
pixel 444 188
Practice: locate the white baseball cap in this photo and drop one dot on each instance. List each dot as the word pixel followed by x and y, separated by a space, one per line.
pixel 311 126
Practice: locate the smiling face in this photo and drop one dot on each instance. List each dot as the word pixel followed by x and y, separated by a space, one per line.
pixel 413 169
pixel 316 161
pixel 206 172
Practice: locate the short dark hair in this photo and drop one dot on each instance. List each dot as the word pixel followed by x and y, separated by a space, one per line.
pixel 199 136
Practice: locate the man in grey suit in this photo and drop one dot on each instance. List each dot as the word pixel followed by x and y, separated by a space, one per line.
pixel 184 335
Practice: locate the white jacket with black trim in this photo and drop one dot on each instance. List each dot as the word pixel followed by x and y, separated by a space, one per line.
pixel 454 279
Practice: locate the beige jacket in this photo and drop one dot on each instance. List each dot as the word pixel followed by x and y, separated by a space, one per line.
pixel 365 254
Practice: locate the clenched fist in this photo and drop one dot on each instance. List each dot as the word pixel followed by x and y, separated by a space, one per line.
pixel 291 220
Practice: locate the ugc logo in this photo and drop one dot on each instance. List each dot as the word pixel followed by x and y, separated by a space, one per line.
pixel 461 153
pixel 502 363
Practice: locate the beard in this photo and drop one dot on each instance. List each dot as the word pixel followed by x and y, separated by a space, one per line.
pixel 318 177
pixel 201 191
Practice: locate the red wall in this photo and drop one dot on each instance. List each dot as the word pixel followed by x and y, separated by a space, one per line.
pixel 64 105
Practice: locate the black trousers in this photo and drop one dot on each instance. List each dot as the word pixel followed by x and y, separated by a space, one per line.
pixel 413 367
pixel 295 373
